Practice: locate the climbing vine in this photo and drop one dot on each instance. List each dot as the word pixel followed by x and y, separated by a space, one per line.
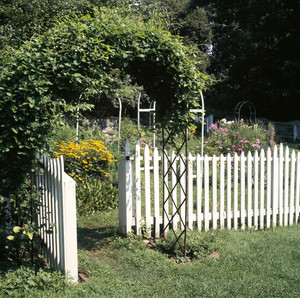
pixel 47 75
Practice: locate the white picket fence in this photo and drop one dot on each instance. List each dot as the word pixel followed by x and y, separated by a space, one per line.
pixel 254 191
pixel 58 215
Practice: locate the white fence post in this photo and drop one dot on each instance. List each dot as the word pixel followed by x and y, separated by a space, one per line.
pixel 70 227
pixel 126 191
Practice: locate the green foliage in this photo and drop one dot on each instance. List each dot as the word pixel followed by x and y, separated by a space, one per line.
pixel 95 195
pixel 130 131
pixel 255 56
pixel 67 133
pixel 24 282
pixel 18 232
pixel 21 19
pixel 199 245
pixel 189 20
pixel 47 75
pixel 237 137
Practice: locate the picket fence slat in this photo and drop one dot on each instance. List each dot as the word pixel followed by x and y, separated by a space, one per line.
pixel 297 195
pixel 235 191
pixel 199 171
pixel 242 200
pixel 206 194
pixel 286 186
pixel 262 189
pixel 147 189
pixel 268 202
pixel 166 194
pixel 138 200
pixel 156 192
pixel 247 191
pixel 190 192
pixel 174 188
pixel 228 216
pixel 183 186
pixel 292 188
pixel 222 190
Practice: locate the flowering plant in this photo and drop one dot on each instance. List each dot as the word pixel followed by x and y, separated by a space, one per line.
pixel 238 137
pixel 88 158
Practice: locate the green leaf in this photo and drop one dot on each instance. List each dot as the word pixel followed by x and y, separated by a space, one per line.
pixel 30 235
pixel 17 229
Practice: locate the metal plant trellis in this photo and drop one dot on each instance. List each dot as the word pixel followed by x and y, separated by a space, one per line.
pixel 240 105
pixel 169 168
pixel 151 111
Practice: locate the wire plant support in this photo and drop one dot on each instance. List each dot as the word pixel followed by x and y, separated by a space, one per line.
pixel 169 168
pixel 181 181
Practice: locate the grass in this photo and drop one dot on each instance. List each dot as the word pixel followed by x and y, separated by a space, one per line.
pixel 251 264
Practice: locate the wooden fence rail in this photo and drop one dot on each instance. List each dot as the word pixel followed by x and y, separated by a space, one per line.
pixel 58 215
pixel 257 190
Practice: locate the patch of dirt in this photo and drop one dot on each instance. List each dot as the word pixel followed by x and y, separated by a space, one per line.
pixel 83 275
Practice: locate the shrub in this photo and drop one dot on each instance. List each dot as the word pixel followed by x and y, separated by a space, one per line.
pixel 94 195
pixel 88 158
pixel 237 137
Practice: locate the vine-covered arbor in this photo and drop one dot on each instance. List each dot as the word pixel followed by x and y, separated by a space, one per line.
pixel 46 76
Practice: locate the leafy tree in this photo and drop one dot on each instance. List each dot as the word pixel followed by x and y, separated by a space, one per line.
pixel 47 75
pixel 256 55
pixel 188 20
pixel 21 19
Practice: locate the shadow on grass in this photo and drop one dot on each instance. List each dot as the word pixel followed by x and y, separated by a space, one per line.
pixel 95 238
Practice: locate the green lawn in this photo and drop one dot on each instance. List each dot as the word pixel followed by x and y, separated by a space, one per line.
pixel 251 264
